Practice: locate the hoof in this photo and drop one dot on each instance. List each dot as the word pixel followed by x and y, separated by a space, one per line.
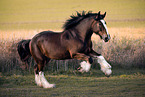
pixel 108 73
pixel 107 76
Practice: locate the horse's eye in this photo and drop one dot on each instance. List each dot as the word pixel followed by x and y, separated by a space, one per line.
pixel 99 24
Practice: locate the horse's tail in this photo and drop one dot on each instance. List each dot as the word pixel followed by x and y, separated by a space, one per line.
pixel 23 50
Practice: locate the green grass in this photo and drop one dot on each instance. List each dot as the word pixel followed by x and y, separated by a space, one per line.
pixel 51 14
pixel 122 83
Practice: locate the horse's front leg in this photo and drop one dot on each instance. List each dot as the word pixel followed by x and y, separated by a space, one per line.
pixel 86 64
pixel 105 66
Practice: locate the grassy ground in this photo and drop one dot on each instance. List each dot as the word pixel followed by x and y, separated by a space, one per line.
pixel 122 83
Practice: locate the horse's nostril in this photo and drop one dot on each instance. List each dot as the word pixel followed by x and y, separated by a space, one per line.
pixel 106 39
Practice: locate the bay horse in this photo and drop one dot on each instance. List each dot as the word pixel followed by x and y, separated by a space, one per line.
pixel 74 42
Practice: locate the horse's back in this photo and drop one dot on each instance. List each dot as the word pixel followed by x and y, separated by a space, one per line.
pixel 46 34
pixel 48 43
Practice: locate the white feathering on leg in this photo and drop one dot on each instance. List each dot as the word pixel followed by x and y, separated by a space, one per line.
pixel 105 66
pixel 37 80
pixel 85 66
pixel 44 82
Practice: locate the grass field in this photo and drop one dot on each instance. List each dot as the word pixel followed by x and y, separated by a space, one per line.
pixel 123 83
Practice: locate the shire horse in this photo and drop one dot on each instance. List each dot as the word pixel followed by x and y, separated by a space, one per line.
pixel 72 43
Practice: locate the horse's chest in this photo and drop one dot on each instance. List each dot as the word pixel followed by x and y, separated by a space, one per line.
pixel 86 47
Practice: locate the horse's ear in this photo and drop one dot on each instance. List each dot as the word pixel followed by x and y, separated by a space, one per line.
pixel 98 16
pixel 104 14
pixel 99 13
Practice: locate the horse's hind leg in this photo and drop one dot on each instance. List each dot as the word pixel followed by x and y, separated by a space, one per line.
pixel 41 60
pixel 39 75
pixel 37 78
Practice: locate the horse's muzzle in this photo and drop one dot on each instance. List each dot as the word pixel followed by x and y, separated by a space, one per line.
pixel 107 38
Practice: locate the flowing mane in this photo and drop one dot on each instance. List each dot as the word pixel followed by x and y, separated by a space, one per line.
pixel 74 20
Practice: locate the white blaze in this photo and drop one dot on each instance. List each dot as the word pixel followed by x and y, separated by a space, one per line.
pixel 103 22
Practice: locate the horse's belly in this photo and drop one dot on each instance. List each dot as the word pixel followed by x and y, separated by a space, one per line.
pixel 59 55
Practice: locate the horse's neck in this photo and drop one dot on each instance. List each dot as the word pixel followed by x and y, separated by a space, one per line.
pixel 84 29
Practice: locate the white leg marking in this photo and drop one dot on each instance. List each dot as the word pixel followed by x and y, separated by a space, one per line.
pixel 37 80
pixel 85 66
pixel 105 66
pixel 44 82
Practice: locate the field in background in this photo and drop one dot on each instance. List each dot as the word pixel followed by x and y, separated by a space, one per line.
pixel 51 14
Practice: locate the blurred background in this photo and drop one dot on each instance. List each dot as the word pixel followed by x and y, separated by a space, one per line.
pixel 51 14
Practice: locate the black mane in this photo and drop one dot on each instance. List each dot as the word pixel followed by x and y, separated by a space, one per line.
pixel 74 20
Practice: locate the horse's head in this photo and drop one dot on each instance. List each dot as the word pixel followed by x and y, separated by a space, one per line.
pixel 99 27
